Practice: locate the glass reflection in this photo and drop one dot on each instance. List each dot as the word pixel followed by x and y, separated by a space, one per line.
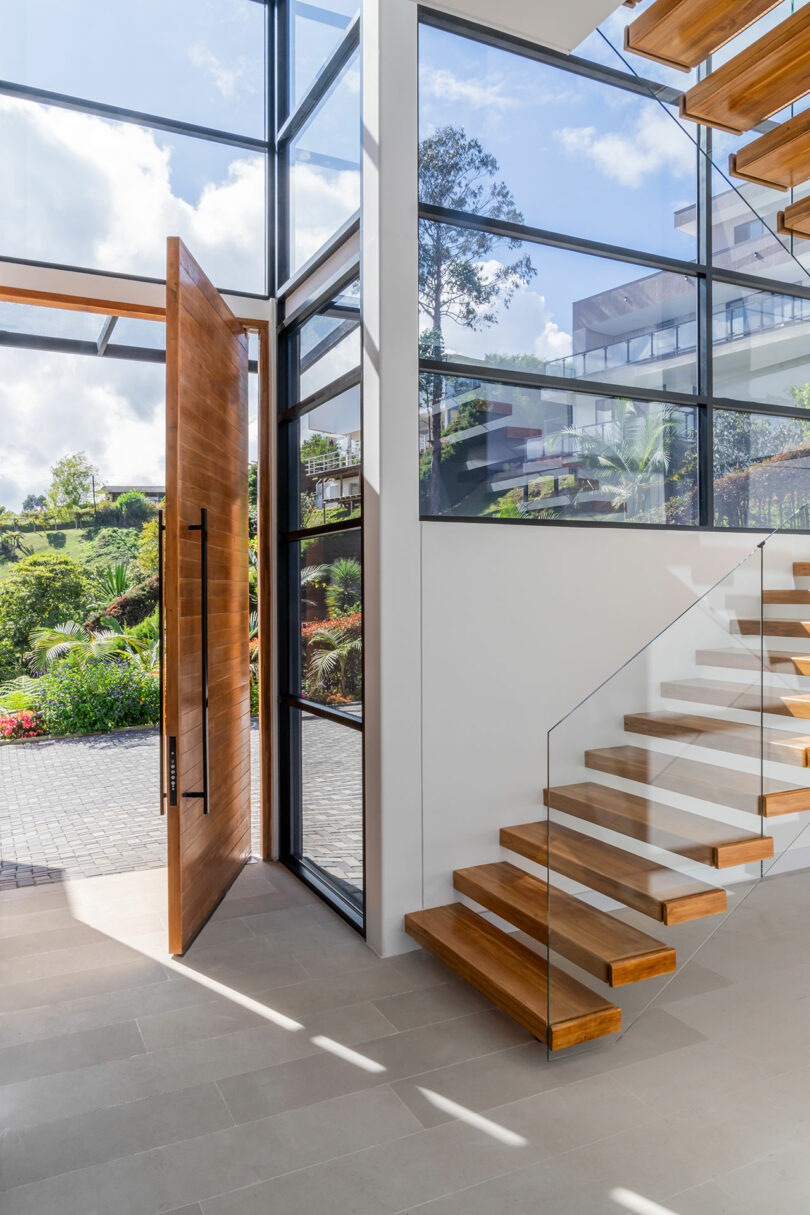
pixel 761 468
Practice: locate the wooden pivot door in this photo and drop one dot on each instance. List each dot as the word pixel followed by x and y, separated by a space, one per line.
pixel 206 732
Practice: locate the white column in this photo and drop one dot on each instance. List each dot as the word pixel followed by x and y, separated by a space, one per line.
pixel 391 442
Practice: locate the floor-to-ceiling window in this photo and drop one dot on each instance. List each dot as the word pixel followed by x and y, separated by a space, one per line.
pixel 320 450
pixel 610 328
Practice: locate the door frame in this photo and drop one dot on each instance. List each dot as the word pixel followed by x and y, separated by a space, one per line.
pixel 266 519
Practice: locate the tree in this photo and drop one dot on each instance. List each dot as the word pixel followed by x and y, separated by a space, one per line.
pixel 43 591
pixel 459 279
pixel 332 651
pixel 34 502
pixel 71 482
pixel 148 559
pixel 630 457
pixel 135 508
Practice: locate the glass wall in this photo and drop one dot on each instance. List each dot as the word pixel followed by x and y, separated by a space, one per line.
pixel 152 124
pixel 321 458
pixel 574 228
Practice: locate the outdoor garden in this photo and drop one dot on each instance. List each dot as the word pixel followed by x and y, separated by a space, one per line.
pixel 79 640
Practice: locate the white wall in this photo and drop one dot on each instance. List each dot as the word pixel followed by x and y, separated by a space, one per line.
pixel 561 26
pixel 519 625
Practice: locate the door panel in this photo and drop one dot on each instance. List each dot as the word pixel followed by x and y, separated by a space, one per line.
pixel 207 681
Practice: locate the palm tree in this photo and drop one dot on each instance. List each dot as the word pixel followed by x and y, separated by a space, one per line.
pixel 18 694
pixel 72 643
pixel 345 582
pixel 111 583
pixel 629 457
pixel 331 651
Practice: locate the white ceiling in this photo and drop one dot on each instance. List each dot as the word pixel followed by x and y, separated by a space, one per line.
pixel 561 24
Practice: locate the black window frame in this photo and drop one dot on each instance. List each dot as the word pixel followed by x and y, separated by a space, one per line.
pixel 702 269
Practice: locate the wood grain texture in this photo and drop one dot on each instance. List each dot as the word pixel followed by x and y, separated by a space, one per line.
pixel 206 467
pixel 682 33
pixel 514 977
pixel 690 835
pixel 801 569
pixel 792 594
pixel 718 735
pixel 613 951
pixel 794 221
pixel 749 660
pixel 766 77
pixel 653 889
pixel 266 561
pixel 772 628
pixel 707 782
pixel 779 159
pixel 779 701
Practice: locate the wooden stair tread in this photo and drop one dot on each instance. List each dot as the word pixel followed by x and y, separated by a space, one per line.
pixel 722 786
pixel 613 951
pixel 679 831
pixel 779 159
pixel 719 735
pixel 682 33
pixel 801 569
pixel 514 977
pixel 740 658
pixel 793 221
pixel 637 881
pixel 764 78
pixel 748 698
pixel 772 628
pixel 793 595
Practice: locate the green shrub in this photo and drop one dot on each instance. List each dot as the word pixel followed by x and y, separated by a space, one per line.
pixel 114 546
pixel 98 697
pixel 130 609
pixel 56 539
pixel 135 508
pixel 44 590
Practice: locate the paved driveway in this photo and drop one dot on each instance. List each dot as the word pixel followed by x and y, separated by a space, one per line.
pixel 78 807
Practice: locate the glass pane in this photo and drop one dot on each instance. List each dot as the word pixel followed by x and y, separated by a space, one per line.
pixel 55 404
pixel 328 347
pixel 533 308
pixel 606 45
pixel 760 346
pixel 506 136
pixel 331 785
pixel 329 446
pixel 325 168
pixel 492 450
pixel 329 575
pixel 744 223
pixel 129 331
pixel 317 29
pixel 761 468
pixel 50 322
pixel 193 60
pixel 104 195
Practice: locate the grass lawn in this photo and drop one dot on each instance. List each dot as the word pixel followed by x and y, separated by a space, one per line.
pixel 77 546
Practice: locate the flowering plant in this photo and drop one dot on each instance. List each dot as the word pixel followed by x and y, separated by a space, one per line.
pixel 21 725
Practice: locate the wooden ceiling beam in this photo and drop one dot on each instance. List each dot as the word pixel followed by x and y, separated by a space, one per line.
pixel 682 33
pixel 766 77
pixel 780 159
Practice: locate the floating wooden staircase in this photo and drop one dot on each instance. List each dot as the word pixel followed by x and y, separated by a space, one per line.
pixel 619 853
pixel 764 78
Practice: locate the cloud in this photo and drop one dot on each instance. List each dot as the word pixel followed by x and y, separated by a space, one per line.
pixel 90 192
pixel 480 94
pixel 55 404
pixel 655 142
pixel 225 78
pixel 326 198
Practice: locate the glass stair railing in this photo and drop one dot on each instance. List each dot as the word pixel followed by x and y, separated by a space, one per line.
pixel 678 785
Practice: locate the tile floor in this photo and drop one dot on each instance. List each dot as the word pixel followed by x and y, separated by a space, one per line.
pixel 282 1068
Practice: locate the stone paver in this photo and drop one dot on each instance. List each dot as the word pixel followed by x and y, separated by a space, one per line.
pixel 79 807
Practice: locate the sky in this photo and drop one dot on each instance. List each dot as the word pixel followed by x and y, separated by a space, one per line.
pixel 578 157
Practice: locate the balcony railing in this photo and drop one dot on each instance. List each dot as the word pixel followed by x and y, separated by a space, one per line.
pixel 333 461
